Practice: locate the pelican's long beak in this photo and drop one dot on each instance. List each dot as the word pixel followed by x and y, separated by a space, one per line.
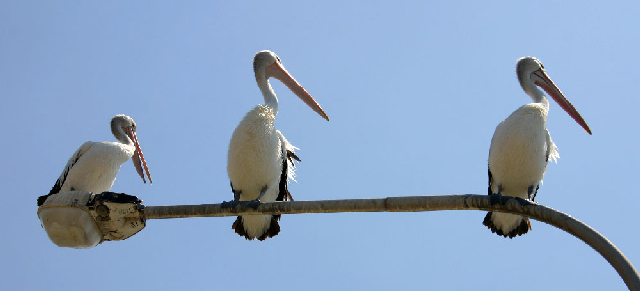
pixel 138 156
pixel 541 79
pixel 277 71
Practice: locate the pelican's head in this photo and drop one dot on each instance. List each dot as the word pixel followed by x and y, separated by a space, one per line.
pixel 525 68
pixel 531 74
pixel 124 129
pixel 267 64
pixel 262 60
pixel 123 124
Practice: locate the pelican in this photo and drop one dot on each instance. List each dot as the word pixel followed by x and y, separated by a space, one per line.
pixel 521 147
pixel 94 166
pixel 260 159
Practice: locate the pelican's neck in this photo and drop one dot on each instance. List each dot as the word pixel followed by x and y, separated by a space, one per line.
pixel 534 92
pixel 538 97
pixel 270 98
pixel 118 132
pixel 544 102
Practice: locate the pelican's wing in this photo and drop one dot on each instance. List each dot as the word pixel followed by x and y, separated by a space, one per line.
pixel 490 147
pixel 288 167
pixel 552 149
pixel 490 181
pixel 63 177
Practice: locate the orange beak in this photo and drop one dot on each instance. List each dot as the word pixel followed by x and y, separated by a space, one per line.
pixel 277 71
pixel 138 156
pixel 541 79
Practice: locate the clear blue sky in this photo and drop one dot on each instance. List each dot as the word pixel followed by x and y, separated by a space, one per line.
pixel 414 92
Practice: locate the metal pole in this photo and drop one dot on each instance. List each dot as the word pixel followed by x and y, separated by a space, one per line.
pixel 419 203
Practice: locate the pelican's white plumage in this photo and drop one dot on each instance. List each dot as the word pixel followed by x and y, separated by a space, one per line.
pixel 521 147
pixel 95 165
pixel 259 157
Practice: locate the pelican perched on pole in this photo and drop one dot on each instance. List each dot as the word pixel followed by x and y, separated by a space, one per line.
pixel 260 158
pixel 94 166
pixel 521 147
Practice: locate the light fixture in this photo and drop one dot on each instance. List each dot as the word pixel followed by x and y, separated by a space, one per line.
pixel 80 219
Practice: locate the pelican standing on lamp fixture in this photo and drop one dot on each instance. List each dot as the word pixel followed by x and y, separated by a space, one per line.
pixel 95 165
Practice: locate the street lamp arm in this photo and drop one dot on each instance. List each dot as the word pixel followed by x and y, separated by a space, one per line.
pixel 418 203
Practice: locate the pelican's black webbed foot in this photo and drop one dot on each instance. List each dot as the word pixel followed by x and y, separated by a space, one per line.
pixel 496 198
pixel 229 204
pixel 522 202
pixel 252 203
pixel 236 199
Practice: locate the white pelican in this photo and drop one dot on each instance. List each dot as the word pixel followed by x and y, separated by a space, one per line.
pixel 521 147
pixel 260 158
pixel 94 166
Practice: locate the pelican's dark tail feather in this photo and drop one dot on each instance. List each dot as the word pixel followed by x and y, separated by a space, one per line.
pixel 273 230
pixel 523 227
pixel 42 199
